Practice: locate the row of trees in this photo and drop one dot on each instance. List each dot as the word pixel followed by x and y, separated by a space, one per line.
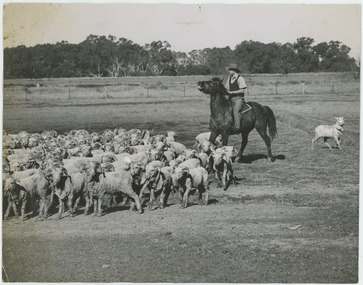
pixel 107 56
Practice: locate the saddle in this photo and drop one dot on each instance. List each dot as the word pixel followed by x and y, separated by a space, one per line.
pixel 245 108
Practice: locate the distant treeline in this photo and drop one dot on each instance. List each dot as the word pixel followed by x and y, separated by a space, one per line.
pixel 102 56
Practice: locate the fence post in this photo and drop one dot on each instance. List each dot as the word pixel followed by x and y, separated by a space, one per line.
pixel 26 94
pixel 303 88
pixel 147 88
pixel 333 83
pixel 106 97
pixel 276 87
pixel 69 93
pixel 184 89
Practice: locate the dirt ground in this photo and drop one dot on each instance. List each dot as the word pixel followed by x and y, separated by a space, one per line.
pixel 291 221
pixel 276 236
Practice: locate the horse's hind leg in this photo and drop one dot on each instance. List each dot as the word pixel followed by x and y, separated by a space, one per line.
pixel 243 146
pixel 267 140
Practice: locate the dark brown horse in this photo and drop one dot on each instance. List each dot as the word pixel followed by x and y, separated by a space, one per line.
pixel 221 120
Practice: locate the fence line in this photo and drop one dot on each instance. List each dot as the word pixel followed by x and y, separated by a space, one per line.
pixel 167 90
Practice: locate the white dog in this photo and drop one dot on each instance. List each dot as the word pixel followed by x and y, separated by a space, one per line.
pixel 325 131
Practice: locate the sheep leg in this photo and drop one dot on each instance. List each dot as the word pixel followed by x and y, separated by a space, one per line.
pixel 41 214
pixel 16 212
pixel 152 198
pixel 146 184
pixel 162 199
pixel 230 172
pixel 326 142
pixel 45 206
pixel 61 208
pixel 95 206
pixel 181 192
pixel 166 194
pixel 313 141
pixel 70 202
pixel 86 208
pixel 337 140
pixel 23 206
pixel 99 211
pixel 219 179
pixel 206 189
pixel 185 197
pixel 132 206
pixel 135 197
pixel 10 204
pixel 225 178
pixel 200 196
pixel 95 203
pixel 76 203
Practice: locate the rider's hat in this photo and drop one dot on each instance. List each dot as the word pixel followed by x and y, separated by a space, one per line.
pixel 234 67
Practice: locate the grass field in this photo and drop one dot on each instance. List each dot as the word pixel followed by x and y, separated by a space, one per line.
pixel 294 220
pixel 172 87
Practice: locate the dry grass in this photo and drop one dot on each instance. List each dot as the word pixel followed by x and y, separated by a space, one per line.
pixel 172 87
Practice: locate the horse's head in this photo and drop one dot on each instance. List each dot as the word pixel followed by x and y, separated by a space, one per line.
pixel 212 87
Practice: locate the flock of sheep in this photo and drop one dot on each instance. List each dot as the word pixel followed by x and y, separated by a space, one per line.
pixel 49 168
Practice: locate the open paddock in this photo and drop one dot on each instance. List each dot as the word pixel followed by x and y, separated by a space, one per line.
pixel 62 89
pixel 294 220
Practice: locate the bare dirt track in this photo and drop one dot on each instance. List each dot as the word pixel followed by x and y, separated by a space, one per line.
pixel 291 221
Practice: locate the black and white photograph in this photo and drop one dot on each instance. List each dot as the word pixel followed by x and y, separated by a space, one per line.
pixel 181 141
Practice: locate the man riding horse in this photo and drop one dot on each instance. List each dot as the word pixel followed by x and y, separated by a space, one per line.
pixel 236 86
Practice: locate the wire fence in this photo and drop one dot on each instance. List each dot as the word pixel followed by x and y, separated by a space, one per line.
pixel 39 92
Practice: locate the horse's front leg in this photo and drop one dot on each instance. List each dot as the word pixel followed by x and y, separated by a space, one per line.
pixel 225 135
pixel 213 137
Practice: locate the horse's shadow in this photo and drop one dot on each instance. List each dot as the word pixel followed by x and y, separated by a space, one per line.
pixel 254 157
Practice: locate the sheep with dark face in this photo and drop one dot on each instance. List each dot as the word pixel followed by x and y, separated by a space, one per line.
pixel 66 187
pixel 16 195
pixel 185 180
pixel 100 183
pixel 36 185
pixel 222 167
pixel 158 181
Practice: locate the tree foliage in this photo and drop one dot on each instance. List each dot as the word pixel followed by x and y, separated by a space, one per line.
pixel 102 56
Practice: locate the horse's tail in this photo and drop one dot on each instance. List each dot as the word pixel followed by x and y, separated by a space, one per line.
pixel 271 122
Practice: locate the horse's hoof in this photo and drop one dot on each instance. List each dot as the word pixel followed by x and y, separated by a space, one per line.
pixel 140 211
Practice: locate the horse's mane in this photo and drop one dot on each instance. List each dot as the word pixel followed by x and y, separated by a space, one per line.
pixel 222 90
